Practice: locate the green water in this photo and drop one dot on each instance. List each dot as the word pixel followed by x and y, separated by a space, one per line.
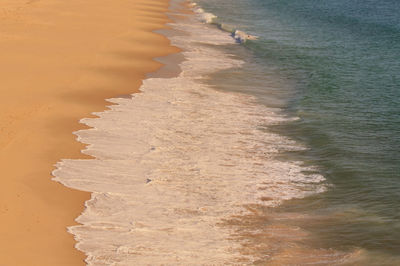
pixel 336 66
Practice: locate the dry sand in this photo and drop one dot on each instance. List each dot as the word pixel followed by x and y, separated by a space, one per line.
pixel 59 60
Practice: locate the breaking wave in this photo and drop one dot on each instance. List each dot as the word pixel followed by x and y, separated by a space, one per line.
pixel 210 18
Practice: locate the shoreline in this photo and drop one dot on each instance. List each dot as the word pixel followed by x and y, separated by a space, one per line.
pixel 180 182
pixel 60 62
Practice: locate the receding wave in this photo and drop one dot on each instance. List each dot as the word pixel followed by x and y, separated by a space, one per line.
pixel 175 161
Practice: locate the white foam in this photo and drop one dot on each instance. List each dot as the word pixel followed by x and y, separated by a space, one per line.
pixel 204 16
pixel 174 161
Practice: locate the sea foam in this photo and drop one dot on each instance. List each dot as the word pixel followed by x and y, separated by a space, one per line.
pixel 176 160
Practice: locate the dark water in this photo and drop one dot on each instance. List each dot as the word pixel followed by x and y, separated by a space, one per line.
pixel 336 66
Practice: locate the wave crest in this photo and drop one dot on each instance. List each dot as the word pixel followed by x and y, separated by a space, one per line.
pixel 210 18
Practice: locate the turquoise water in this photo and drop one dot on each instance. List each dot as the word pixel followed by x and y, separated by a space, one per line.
pixel 336 66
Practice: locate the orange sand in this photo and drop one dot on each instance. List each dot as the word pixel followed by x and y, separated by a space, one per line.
pixel 59 60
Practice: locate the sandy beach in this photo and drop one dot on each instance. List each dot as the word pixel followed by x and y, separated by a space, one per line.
pixel 59 61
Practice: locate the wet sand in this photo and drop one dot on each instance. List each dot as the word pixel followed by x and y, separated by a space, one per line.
pixel 59 60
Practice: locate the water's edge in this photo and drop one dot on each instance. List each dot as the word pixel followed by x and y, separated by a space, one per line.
pixel 185 174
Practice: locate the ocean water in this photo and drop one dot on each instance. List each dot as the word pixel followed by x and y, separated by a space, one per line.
pixel 336 66
pixel 276 144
